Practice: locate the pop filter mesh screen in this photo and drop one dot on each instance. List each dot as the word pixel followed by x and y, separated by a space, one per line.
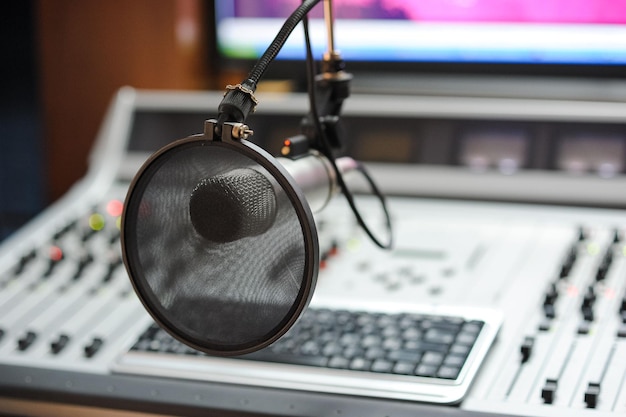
pixel 219 297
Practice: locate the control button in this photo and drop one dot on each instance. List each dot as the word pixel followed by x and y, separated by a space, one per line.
pixel 589 298
pixel 551 294
pixel 59 344
pixel 527 348
pixel 62 232
pixel 584 327
pixel 565 270
pixel 605 264
pixel 87 234
pixel 568 263
pixel 24 261
pixel 544 326
pixel 617 235
pixel 93 348
pixel 587 313
pixel 84 260
pixel 591 394
pixel 549 311
pixel 582 233
pixel 55 256
pixel 109 272
pixel 549 390
pixel 25 341
pixel 602 271
pixel 621 332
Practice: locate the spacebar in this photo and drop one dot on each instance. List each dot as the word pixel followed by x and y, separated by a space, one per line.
pixel 292 359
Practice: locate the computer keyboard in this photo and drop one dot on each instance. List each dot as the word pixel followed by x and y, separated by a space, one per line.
pixel 398 352
pixel 402 344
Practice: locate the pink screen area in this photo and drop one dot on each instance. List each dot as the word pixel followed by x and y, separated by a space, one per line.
pixel 507 11
pixel 540 11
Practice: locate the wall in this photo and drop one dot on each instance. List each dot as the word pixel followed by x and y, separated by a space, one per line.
pixel 87 50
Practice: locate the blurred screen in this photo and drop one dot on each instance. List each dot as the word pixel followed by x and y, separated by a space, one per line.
pixel 590 32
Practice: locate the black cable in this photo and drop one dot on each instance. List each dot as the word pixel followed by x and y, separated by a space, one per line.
pixel 239 100
pixel 270 53
pixel 327 151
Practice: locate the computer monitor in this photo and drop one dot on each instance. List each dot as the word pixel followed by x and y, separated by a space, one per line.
pixel 536 37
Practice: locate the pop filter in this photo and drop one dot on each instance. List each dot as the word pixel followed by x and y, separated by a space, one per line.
pixel 219 243
pixel 218 239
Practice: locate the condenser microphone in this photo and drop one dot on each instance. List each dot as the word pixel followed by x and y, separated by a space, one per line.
pixel 218 237
pixel 242 203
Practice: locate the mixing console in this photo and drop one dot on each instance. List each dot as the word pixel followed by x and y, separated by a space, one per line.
pixel 489 307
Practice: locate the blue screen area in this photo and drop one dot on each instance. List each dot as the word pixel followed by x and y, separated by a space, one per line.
pixel 588 32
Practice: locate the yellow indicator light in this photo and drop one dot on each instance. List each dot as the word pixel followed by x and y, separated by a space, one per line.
pixel 624 250
pixel 96 221
pixel 118 223
pixel 593 249
pixel 353 245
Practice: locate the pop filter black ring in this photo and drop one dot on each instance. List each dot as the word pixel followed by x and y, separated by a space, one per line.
pixel 135 271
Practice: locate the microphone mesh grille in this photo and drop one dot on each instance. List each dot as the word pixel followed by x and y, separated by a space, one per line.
pixel 220 297
pixel 231 206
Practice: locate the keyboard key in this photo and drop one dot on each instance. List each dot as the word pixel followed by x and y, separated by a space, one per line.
pixel 437 335
pixel 353 352
pixel 465 338
pixel 375 353
pixel 404 368
pixel 459 349
pixel 432 358
pixel 426 370
pixel 454 360
pixel 338 362
pixel 332 349
pixel 448 372
pixel 382 366
pixel 360 364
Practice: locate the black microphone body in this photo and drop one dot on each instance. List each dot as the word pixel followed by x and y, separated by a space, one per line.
pixel 242 203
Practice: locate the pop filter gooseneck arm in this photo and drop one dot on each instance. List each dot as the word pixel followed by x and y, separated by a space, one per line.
pixel 239 100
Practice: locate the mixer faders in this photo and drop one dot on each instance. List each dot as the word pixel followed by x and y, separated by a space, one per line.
pixel 573 352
